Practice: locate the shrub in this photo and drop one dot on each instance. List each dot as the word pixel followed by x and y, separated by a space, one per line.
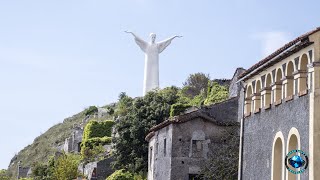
pixel 91 110
pixel 178 108
pixel 97 141
pixel 216 93
pixel 97 129
pixel 66 167
pixel 121 175
pixel 95 135
pixel 4 174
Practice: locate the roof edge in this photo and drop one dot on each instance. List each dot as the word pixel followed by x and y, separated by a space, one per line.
pixel 278 52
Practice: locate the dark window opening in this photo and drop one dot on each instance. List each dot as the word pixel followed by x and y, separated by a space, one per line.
pixel 79 147
pixel 157 148
pixel 94 173
pixel 164 147
pixel 150 156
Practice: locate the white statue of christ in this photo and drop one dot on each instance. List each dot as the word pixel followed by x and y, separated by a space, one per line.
pixel 151 67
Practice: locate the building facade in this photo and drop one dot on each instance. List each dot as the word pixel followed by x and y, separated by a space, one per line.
pixel 179 147
pixel 280 111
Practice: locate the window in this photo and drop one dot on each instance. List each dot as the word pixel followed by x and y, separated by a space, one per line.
pixel 79 147
pixel 257 99
pixel 278 87
pixel 278 157
pixel 197 148
pixel 248 101
pixel 157 148
pixel 267 96
pixel 289 85
pixel 302 81
pixel 150 156
pixel 164 147
pixel 94 173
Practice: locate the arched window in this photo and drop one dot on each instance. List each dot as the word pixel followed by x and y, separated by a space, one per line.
pixel 248 100
pixel 267 96
pixel 257 102
pixel 278 86
pixel 302 81
pixel 277 171
pixel 292 144
pixel 289 83
pixel 303 62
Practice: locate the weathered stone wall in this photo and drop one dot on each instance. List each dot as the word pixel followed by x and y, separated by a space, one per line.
pixel 260 130
pixel 72 143
pixel 104 168
pixel 234 87
pixel 192 142
pixel 226 111
pixel 159 164
pixel 24 172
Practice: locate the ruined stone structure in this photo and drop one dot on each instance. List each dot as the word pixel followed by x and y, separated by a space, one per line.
pixel 280 111
pixel 97 170
pixel 23 172
pixel 73 143
pixel 179 146
pixel 93 170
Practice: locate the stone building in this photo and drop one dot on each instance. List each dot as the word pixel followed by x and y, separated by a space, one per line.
pixel 24 172
pixel 179 146
pixel 280 101
pixel 73 143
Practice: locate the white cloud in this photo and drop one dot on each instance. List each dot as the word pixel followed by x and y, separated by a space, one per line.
pixel 271 41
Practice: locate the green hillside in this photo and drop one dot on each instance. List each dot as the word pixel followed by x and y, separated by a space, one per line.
pixel 46 144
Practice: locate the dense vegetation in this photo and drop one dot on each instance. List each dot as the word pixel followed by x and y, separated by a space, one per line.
pixel 63 167
pixel 121 175
pixel 134 117
pixel 4 175
pixel 96 134
pixel 97 129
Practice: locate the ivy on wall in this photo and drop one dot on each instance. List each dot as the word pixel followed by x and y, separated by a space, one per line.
pixel 96 134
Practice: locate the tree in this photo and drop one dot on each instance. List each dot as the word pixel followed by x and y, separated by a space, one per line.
pixel 40 171
pixel 133 124
pixel 195 83
pixel 63 167
pixel 123 104
pixel 4 175
pixel 216 93
pixel 66 167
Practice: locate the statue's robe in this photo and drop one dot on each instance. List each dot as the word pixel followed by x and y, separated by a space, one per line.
pixel 151 67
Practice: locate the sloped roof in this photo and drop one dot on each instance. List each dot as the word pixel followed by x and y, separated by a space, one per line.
pixel 200 113
pixel 303 37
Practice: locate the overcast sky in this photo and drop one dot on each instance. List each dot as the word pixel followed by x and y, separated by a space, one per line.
pixel 59 57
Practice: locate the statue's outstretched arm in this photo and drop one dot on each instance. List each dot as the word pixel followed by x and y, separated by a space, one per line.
pixel 165 43
pixel 141 43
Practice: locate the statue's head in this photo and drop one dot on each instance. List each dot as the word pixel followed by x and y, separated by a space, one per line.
pixel 153 37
